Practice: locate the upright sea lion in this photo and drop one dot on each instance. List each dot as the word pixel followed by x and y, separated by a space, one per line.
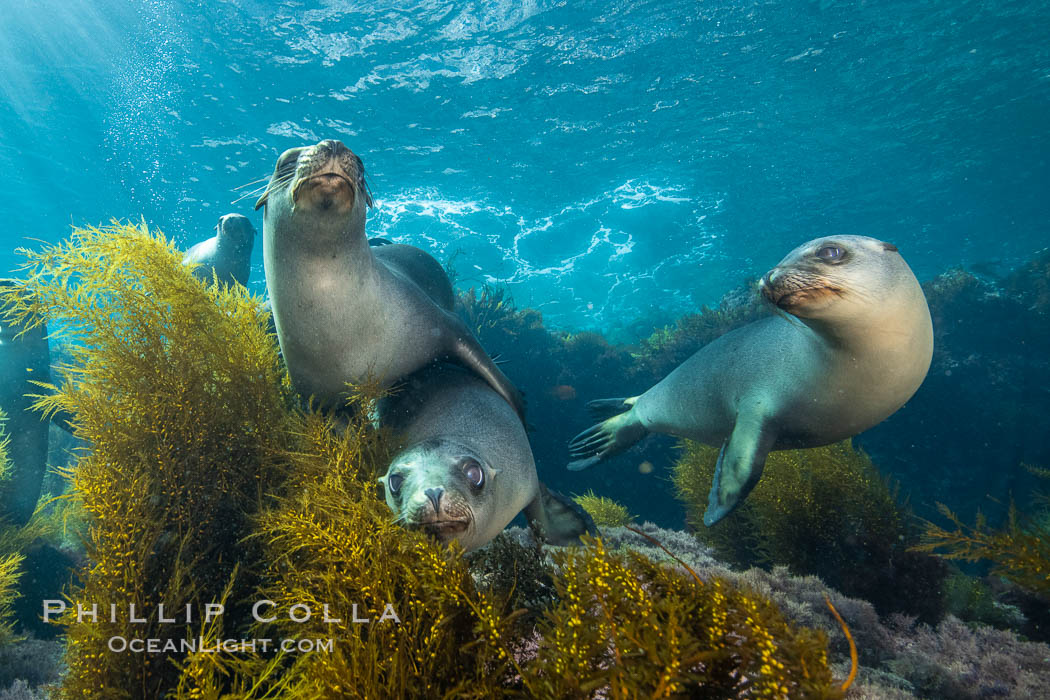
pixel 852 343
pixel 24 358
pixel 464 467
pixel 345 310
pixel 228 253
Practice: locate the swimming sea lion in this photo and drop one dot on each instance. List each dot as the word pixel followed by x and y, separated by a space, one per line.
pixel 228 253
pixel 854 344
pixel 464 467
pixel 24 359
pixel 345 310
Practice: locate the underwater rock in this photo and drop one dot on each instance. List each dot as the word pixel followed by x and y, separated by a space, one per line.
pixel 982 411
pixel 30 663
pixel 899 658
pixel 20 690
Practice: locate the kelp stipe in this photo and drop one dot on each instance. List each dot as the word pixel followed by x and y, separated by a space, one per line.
pixel 176 387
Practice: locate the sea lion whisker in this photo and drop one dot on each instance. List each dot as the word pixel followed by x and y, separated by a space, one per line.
pixel 276 183
pixel 246 195
pixel 264 178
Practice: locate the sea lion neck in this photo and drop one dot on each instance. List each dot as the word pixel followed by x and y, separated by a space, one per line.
pixel 319 235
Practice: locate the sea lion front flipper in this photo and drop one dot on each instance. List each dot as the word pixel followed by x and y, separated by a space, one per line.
pixel 558 520
pixel 466 349
pixel 740 464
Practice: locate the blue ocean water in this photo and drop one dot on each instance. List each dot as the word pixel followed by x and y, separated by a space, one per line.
pixel 615 164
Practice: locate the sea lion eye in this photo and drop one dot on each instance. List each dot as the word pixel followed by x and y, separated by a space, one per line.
pixel 288 157
pixel 829 252
pixel 474 473
pixel 393 482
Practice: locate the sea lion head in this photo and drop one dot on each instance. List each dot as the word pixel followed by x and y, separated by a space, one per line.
pixel 323 183
pixel 444 488
pixel 237 232
pixel 838 277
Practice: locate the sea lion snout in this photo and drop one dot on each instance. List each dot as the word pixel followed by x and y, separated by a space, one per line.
pixel 789 288
pixel 327 176
pixel 237 229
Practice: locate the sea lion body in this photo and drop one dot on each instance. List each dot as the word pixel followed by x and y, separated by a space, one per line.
pixel 346 311
pixel 227 254
pixel 854 344
pixel 24 359
pixel 463 466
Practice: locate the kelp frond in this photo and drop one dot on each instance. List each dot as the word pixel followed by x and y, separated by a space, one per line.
pixel 634 628
pixel 605 511
pixel 1020 551
pixel 10 572
pixel 177 388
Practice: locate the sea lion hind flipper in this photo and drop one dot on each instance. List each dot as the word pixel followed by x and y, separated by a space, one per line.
pixel 606 439
pixel 469 353
pixel 739 466
pixel 558 520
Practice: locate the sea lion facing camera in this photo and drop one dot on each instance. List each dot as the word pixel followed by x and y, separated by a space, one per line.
pixel 345 310
pixel 228 253
pixel 856 345
pixel 464 468
pixel 24 358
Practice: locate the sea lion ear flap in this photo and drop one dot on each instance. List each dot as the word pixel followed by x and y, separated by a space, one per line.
pixel 558 520
pixel 262 200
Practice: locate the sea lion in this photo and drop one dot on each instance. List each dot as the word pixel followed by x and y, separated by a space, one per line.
pixel 24 358
pixel 346 310
pixel 227 254
pixel 463 467
pixel 852 341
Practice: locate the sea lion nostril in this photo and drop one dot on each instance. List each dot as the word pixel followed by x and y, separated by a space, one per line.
pixel 435 497
pixel 332 148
